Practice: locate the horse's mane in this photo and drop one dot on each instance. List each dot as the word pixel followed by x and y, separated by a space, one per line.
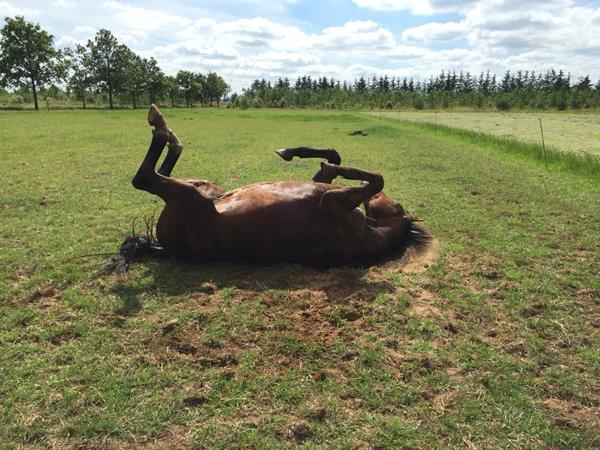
pixel 415 251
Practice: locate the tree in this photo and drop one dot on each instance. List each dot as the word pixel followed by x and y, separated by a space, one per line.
pixel 108 60
pixel 27 56
pixel 156 82
pixel 172 89
pixel 584 84
pixel 78 71
pixel 136 78
pixel 190 84
pixel 215 88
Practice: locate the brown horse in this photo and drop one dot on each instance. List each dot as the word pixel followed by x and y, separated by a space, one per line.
pixel 315 222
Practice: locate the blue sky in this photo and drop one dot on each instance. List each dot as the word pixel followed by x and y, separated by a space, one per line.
pixel 344 39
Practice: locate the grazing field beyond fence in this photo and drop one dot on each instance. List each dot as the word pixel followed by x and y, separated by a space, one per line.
pixel 496 344
pixel 573 132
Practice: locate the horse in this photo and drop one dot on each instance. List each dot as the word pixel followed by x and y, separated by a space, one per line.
pixel 309 222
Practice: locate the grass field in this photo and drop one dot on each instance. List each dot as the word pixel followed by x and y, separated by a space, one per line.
pixel 496 345
pixel 574 132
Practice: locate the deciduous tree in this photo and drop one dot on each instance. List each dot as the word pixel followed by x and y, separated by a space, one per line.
pixel 155 80
pixel 108 60
pixel 27 56
pixel 79 74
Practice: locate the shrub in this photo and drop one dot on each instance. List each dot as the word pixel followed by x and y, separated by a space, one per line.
pixel 503 105
pixel 418 103
pixel 243 103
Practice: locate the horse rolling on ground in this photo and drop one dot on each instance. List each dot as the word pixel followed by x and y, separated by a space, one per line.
pixel 310 222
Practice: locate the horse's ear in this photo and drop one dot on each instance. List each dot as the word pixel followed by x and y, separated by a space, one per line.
pixel 413 218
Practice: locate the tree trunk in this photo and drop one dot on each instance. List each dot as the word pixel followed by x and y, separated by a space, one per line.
pixel 110 102
pixel 134 100
pixel 83 98
pixel 172 101
pixel 34 92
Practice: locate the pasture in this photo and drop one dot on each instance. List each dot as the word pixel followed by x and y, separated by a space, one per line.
pixel 496 344
pixel 567 131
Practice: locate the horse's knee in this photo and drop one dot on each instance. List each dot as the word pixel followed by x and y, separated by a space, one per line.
pixel 139 182
pixel 143 178
pixel 376 182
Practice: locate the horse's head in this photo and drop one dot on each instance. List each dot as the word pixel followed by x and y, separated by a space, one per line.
pixel 389 213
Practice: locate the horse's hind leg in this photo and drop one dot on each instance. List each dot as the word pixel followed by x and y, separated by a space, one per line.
pixel 350 197
pixel 207 188
pixel 172 191
pixel 175 149
pixel 330 154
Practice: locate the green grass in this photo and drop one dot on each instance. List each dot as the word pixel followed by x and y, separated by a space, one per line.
pixel 582 163
pixel 577 132
pixel 495 345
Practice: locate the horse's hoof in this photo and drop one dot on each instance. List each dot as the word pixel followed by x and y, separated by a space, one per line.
pixel 285 154
pixel 174 143
pixel 155 118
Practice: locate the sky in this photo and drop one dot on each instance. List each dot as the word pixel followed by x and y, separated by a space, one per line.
pixel 343 39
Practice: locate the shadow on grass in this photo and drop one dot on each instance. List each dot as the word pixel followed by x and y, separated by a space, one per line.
pixel 176 278
pixel 129 295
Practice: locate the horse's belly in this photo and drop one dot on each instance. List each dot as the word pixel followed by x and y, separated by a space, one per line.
pixel 300 233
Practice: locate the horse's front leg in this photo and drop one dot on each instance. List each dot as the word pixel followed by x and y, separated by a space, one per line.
pixel 330 154
pixel 349 198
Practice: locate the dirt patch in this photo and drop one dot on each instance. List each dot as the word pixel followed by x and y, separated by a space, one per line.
pixel 188 343
pixel 44 295
pixel 296 307
pixel 423 306
pixel 174 438
pixel 313 322
pixel 416 263
pixel 567 414
pixel 587 297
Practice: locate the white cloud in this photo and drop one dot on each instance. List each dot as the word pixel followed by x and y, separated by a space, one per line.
pixel 141 22
pixel 430 32
pixel 488 34
pixel 9 10
pixel 423 7
pixel 64 3
pixel 355 35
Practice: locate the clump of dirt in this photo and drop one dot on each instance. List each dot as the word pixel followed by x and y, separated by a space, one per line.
pixel 568 414
pixel 44 295
pixel 422 306
pixel 300 431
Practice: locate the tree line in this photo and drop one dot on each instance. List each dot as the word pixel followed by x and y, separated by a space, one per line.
pixel 522 89
pixel 29 62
